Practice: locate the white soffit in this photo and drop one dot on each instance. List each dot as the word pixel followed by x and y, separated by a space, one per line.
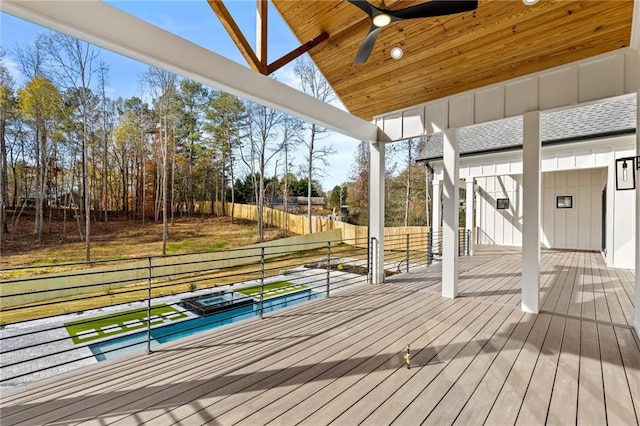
pixel 589 80
pixel 115 30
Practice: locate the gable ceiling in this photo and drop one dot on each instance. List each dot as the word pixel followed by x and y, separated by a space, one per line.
pixel 500 40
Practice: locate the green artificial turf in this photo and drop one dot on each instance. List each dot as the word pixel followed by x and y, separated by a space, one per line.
pixel 74 328
pixel 275 289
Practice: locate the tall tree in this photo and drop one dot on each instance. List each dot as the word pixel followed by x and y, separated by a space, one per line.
pixel 7 112
pixel 358 192
pixel 75 64
pixel 40 101
pixel 193 97
pixel 162 85
pixel 226 120
pixel 314 84
pixel 262 145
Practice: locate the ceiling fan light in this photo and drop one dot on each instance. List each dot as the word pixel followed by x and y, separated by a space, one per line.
pixel 529 2
pixel 396 52
pixel 381 20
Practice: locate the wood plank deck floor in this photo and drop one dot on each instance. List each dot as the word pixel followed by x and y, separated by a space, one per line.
pixel 475 360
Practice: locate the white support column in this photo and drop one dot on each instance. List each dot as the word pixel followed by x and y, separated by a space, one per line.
pixel 469 212
pixel 376 209
pixel 636 318
pixel 450 213
pixel 531 213
pixel 435 217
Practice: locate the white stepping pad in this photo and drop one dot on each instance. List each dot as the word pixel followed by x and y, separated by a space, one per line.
pixel 88 331
pixel 86 336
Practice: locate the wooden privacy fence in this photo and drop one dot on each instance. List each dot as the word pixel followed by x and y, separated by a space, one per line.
pixel 395 237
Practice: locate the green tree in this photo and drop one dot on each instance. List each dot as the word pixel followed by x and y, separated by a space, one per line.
pixel 8 105
pixel 193 98
pixel 226 117
pixel 40 102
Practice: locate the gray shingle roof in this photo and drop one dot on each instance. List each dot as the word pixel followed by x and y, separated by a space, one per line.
pixel 607 117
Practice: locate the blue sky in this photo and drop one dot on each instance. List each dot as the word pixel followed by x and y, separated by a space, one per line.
pixel 195 21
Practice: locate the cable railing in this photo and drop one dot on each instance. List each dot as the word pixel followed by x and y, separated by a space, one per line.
pixel 58 317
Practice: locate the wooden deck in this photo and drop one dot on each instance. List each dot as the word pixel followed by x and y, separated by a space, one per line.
pixel 476 359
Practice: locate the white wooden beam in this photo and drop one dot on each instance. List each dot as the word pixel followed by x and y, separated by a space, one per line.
pixel 531 213
pixel 376 209
pixel 636 321
pixel 113 29
pixel 634 43
pixel 450 213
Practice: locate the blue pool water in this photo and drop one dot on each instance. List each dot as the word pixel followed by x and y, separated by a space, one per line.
pixel 214 300
pixel 136 342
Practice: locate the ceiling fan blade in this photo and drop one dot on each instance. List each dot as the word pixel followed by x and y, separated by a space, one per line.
pixel 364 6
pixel 435 8
pixel 367 45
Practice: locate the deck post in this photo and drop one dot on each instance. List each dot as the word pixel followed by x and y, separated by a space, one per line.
pixel 469 213
pixel 531 212
pixel 435 217
pixel 450 213
pixel 636 321
pixel 376 209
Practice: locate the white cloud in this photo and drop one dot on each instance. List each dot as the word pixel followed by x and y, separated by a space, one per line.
pixel 13 69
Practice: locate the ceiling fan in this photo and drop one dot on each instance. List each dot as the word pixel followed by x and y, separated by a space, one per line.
pixel 381 17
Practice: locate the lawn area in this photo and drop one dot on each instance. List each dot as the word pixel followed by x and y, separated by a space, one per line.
pixel 120 238
pixel 116 323
pixel 275 289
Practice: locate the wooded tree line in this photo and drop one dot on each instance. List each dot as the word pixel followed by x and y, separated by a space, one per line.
pixel 70 150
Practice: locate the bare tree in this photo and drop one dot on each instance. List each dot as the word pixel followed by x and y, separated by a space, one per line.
pixel 314 84
pixel 291 137
pixel 262 145
pixel 162 85
pixel 75 64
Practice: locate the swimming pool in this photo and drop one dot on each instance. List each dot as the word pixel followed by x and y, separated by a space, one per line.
pixel 113 348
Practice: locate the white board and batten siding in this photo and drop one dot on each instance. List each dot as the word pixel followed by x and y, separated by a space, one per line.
pixel 578 227
pixel 600 77
pixel 502 227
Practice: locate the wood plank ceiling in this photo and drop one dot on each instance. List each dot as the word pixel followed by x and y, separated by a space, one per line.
pixel 500 40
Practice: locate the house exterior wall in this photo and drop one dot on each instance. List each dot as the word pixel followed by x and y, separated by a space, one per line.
pixel 494 226
pixel 582 168
pixel 578 227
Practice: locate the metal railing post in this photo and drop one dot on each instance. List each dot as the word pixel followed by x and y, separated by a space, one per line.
pixel 372 244
pixel 261 282
pixel 369 260
pixel 407 252
pixel 468 242
pixel 149 305
pixel 429 248
pixel 328 265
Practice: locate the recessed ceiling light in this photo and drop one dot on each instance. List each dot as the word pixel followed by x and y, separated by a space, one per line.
pixel 381 20
pixel 529 2
pixel 396 52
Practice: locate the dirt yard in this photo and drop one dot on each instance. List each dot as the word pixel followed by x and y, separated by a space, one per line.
pixel 119 238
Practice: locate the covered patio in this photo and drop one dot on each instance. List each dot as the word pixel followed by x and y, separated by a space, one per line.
pixel 476 359
pixel 502 337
